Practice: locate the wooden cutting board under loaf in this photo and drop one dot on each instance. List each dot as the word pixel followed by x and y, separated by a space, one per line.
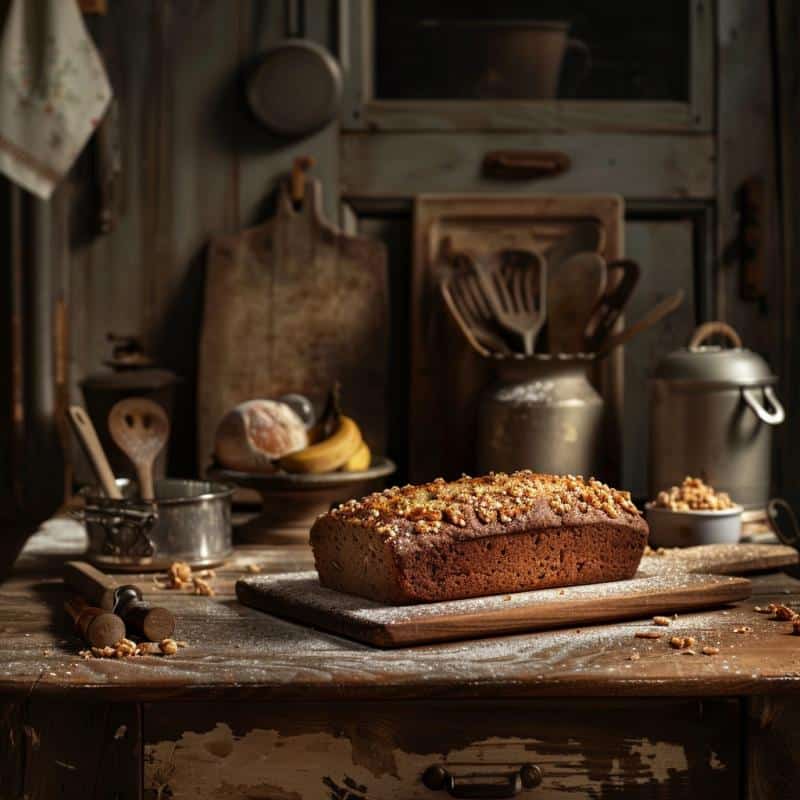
pixel 292 305
pixel 674 581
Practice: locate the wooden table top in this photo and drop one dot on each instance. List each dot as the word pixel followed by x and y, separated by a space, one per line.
pixel 239 653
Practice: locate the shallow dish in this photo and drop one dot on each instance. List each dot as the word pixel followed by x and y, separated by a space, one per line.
pixel 689 528
pixel 291 502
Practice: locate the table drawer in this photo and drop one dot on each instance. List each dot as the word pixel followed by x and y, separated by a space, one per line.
pixel 380 751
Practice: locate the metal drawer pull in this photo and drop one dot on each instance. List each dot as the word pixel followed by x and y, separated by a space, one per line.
pixel 508 784
pixel 524 164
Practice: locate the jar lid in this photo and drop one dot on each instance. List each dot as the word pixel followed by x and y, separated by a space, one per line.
pixel 699 363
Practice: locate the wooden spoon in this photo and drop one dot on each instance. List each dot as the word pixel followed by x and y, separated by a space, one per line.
pixel 87 436
pixel 140 428
pixel 573 291
pixel 583 237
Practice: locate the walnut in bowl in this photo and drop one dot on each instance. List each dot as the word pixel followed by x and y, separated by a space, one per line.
pixel 691 514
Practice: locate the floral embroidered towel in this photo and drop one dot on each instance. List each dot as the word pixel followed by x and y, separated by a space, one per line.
pixel 53 92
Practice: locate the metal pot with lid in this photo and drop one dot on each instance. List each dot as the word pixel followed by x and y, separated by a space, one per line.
pixel 711 416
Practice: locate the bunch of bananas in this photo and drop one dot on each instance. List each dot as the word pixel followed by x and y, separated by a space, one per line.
pixel 344 449
pixel 336 443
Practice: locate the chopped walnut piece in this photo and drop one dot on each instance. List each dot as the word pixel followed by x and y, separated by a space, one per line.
pixel 661 621
pixel 179 573
pixel 784 613
pixel 708 650
pixel 203 587
pixel 681 642
pixel 648 635
pixel 168 647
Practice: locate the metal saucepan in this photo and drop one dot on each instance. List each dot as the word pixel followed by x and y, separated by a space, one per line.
pixel 188 521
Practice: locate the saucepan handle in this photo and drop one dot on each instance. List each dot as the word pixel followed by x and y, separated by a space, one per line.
pixel 774 415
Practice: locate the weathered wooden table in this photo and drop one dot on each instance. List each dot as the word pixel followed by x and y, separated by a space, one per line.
pixel 256 707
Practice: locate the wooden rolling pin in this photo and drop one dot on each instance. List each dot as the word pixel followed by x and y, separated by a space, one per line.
pixel 152 622
pixel 97 627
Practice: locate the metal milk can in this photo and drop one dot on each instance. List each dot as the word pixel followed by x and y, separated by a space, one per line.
pixel 711 416
pixel 541 413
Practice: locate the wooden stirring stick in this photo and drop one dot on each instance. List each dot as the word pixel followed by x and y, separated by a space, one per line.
pixel 87 436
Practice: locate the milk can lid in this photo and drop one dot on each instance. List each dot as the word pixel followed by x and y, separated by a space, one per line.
pixel 701 363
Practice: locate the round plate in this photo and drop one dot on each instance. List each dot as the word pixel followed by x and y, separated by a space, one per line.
pixel 281 481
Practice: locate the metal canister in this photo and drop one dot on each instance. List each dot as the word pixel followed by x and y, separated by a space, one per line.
pixel 188 521
pixel 711 416
pixel 542 413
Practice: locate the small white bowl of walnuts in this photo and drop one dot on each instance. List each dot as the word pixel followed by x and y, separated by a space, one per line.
pixel 691 514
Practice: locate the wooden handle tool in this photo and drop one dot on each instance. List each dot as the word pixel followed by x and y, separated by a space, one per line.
pixel 87 436
pixel 95 626
pixel 154 623
pixel 140 428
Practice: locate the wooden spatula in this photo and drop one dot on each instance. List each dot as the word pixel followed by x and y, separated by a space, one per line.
pixel 574 289
pixel 140 428
pixel 87 436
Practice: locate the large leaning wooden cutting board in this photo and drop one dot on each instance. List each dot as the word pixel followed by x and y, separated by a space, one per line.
pixel 292 305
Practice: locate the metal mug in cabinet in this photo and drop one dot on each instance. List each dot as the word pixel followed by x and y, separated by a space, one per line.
pixel 712 414
pixel 188 521
pixel 541 413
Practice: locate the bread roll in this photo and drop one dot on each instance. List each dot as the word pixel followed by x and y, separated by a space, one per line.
pixel 256 433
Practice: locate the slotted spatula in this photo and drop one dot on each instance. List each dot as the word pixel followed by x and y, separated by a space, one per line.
pixel 468 306
pixel 515 288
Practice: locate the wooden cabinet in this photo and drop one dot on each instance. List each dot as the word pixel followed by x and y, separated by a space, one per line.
pixel 650 122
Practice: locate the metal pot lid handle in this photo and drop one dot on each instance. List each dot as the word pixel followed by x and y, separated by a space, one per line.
pixel 709 329
pixel 774 417
pixel 786 529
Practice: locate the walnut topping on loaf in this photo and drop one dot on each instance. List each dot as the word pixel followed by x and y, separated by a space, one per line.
pixel 486 501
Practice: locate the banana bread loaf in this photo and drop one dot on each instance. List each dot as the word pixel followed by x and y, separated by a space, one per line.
pixel 479 536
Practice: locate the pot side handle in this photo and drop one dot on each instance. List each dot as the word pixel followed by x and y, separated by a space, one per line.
pixel 775 416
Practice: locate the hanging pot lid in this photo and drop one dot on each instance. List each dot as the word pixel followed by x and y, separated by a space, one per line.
pixel 297 88
pixel 714 365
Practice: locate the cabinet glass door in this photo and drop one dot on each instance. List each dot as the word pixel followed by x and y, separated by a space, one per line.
pixel 512 64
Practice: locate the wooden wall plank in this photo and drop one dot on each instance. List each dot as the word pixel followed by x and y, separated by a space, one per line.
pixel 787 25
pixel 195 163
pixel 746 136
